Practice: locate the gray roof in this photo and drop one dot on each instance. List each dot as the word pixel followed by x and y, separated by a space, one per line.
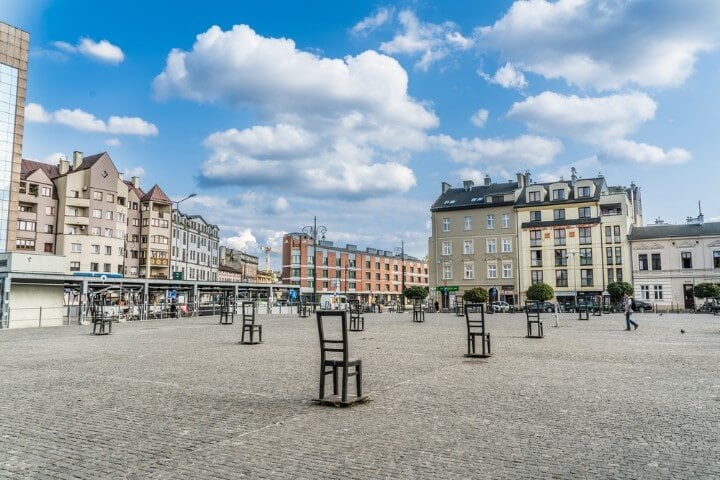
pixel 461 198
pixel 673 231
pixel 600 188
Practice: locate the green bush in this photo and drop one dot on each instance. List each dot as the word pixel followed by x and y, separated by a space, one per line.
pixel 618 289
pixel 416 292
pixel 540 292
pixel 706 290
pixel 475 295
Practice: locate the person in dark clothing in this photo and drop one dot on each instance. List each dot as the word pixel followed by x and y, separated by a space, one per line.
pixel 627 307
pixel 437 306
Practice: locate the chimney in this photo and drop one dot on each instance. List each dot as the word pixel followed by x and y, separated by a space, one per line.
pixel 487 180
pixel 77 159
pixel 136 182
pixel 445 187
pixel 528 177
pixel 573 177
pixel 63 166
pixel 467 185
pixel 520 180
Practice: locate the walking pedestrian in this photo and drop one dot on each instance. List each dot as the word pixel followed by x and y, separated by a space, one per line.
pixel 628 309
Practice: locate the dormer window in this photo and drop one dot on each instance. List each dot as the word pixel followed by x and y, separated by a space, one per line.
pixel 533 196
pixel 559 194
pixel 583 192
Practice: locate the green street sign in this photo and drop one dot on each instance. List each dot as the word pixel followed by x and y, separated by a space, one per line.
pixel 447 288
pixel 177 275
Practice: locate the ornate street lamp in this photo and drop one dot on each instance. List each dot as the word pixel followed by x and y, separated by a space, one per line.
pixel 177 207
pixel 313 231
pixel 401 251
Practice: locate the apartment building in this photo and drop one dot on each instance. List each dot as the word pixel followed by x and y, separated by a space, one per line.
pixel 195 250
pixel 474 240
pixel 239 265
pixel 14 46
pixel 573 234
pixel 669 260
pixel 364 274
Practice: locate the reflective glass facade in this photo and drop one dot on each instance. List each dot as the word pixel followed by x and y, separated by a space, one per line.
pixel 8 106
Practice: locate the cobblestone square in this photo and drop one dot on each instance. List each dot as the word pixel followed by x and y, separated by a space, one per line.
pixel 183 399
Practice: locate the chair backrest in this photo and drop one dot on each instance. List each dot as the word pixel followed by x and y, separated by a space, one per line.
pixel 475 316
pixel 248 313
pixel 333 332
pixel 417 305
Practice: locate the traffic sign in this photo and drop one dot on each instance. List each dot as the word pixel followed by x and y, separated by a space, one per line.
pixel 447 288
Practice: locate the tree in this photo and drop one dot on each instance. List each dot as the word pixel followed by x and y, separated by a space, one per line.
pixel 706 290
pixel 475 295
pixel 540 292
pixel 416 292
pixel 618 289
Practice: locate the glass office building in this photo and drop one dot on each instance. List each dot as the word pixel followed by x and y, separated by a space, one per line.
pixel 13 83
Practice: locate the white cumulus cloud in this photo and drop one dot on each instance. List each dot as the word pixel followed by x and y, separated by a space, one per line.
pixel 87 122
pixel 368 24
pixel 525 150
pixel 480 118
pixel 507 76
pixel 606 44
pixel 102 51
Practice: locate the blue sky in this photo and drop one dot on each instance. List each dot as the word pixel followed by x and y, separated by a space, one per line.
pixel 276 111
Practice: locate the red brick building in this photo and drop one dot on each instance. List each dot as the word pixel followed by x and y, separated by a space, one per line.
pixel 346 270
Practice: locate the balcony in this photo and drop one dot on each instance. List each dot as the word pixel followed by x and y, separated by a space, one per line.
pixel 77 220
pixel 158 262
pixel 77 202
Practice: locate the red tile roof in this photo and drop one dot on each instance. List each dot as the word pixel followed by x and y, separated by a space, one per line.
pixel 155 194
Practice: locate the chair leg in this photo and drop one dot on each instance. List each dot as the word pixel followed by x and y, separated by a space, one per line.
pixel 322 382
pixel 343 395
pixel 260 332
pixel 358 379
pixel 335 379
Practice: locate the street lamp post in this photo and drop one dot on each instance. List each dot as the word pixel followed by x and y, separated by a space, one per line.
pixel 312 231
pixel 125 252
pixel 402 273
pixel 177 207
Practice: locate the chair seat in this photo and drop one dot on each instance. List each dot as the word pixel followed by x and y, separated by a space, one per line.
pixel 339 363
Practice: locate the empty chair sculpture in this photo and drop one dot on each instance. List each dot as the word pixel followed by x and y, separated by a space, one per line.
pixel 100 317
pixel 475 321
pixel 459 310
pixel 532 313
pixel 418 311
pixel 335 359
pixel 249 326
pixel 227 310
pixel 357 321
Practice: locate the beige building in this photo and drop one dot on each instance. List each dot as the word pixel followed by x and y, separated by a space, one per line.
pixel 669 260
pixel 14 45
pixel 245 264
pixel 573 235
pixel 474 241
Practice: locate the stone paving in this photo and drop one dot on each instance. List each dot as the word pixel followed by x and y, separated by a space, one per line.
pixel 182 399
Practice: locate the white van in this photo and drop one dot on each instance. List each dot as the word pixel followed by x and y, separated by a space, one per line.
pixel 333 302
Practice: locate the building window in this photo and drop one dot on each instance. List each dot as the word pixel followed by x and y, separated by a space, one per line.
pixel 490 222
pixel 716 259
pixel 535 215
pixel 559 194
pixel 108 215
pixel 585 235
pixel 49 210
pixel 611 275
pixel 49 229
pixel 446 248
pixel 616 230
pixel 109 197
pixel 618 256
pixel 586 277
pixel 507 270
pixel 505 220
pixel 686 259
pixel 97 195
pixel 468 247
pixel 26 226
pixel 535 238
pixel 469 274
pixel 446 224
pixel 492 271
pixel 23 244
pixel 561 258
pixel 583 192
pixel 584 212
pixel 655 258
pixel 536 276
pixel 609 255
pixel 645 292
pixel 74 266
pixel 75 248
pixel 559 214
pixel 94 267
pixel 560 236
pixel 46 191
pixel 658 290
pixel 506 245
pixel 468 223
pixel 108 250
pixel 586 256
pixel 48 248
pixel 618 274
pixel 642 260
pixel 490 246
pixel 95 249
pixel 447 271
pixel 536 258
pixel 107 267
pixel 533 196
pixel 561 278
pixel 97 213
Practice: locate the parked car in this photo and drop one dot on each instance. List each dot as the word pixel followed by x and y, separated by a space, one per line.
pixel 643 306
pixel 500 306
pixel 544 307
